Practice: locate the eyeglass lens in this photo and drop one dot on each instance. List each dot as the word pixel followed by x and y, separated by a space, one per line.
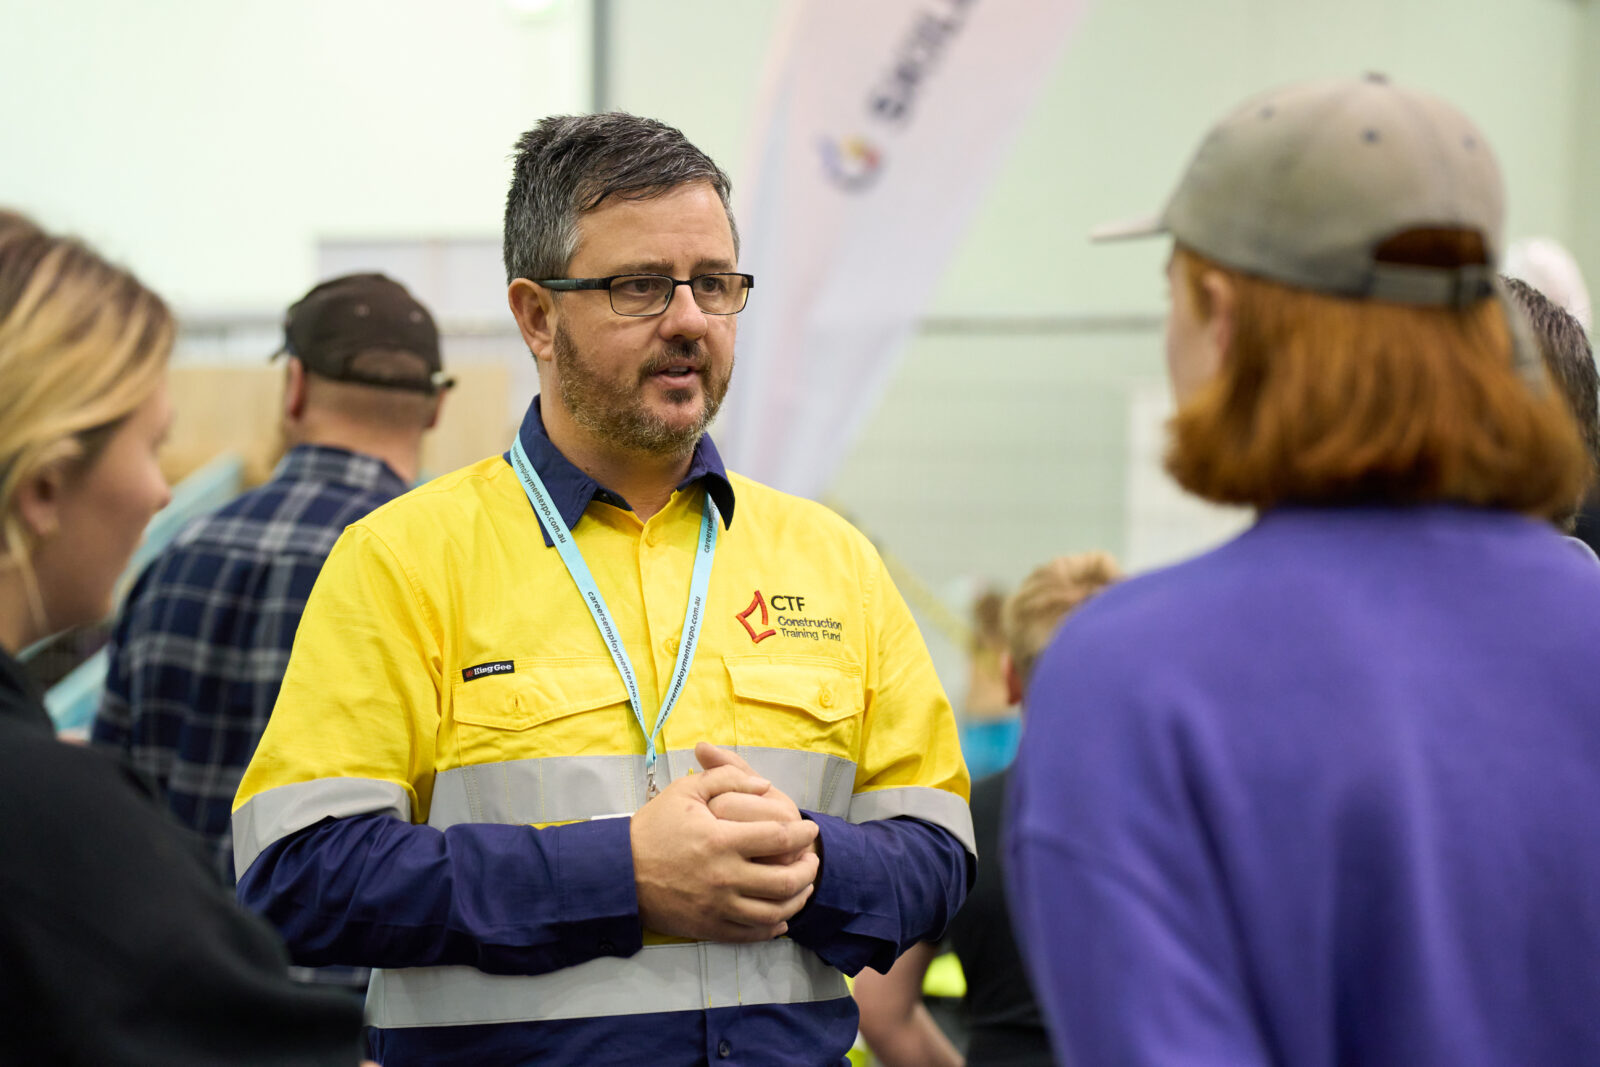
pixel 649 294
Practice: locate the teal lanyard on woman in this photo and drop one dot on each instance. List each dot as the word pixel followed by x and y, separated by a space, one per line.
pixel 699 582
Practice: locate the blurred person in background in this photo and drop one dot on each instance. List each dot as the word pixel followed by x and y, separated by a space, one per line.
pixel 118 946
pixel 199 648
pixel 989 724
pixel 1569 360
pixel 1545 264
pixel 1330 793
pixel 1003 1021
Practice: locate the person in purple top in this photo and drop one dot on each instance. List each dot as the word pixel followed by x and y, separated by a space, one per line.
pixel 1330 794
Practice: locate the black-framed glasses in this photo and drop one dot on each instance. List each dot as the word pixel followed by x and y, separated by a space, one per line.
pixel 641 295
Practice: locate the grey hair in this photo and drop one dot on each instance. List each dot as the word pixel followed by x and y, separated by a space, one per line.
pixel 1569 360
pixel 570 164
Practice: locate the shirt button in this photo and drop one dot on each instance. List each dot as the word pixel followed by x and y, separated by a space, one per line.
pixel 607 948
pixel 825 696
pixel 724 1050
pixel 671 646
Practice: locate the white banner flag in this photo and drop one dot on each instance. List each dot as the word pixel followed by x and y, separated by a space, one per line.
pixel 880 128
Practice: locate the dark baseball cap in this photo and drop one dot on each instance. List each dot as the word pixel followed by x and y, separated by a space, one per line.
pixel 343 317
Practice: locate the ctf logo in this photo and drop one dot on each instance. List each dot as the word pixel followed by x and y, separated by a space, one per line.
pixel 757 602
pixel 852 162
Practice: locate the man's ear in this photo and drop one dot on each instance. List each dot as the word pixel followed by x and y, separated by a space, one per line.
pixel 294 391
pixel 1222 305
pixel 39 501
pixel 534 308
pixel 438 407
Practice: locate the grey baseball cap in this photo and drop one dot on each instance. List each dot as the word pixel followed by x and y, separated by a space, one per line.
pixel 1301 185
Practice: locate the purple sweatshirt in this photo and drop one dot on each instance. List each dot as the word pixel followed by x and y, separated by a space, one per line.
pixel 1328 795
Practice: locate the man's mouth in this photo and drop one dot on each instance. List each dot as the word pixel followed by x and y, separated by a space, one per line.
pixel 678 369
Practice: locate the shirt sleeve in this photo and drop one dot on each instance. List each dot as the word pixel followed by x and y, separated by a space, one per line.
pixel 329 835
pixel 898 868
pixel 885 885
pixel 112 728
pixel 1117 908
pixel 373 891
pixel 194 665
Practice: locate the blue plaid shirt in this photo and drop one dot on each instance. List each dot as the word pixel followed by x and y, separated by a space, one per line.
pixel 200 647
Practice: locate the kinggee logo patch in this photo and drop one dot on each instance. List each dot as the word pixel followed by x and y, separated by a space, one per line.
pixel 482 670
pixel 757 601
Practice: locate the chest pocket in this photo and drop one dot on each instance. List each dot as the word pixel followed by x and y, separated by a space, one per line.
pixel 547 707
pixel 804 703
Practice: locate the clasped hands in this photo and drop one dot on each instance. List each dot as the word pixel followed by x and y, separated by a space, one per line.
pixel 723 855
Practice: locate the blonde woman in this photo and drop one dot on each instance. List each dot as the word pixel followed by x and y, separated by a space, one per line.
pixel 118 946
pixel 1003 1019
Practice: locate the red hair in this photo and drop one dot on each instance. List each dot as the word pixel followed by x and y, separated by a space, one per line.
pixel 1329 400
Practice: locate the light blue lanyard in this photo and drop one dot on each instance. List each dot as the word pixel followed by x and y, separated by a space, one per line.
pixel 699 582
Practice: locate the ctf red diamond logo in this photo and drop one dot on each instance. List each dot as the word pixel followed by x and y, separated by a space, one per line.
pixel 744 618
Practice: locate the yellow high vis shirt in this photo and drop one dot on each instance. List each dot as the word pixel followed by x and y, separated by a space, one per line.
pixel 448 674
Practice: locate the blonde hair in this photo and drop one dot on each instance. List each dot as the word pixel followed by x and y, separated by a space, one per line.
pixel 82 345
pixel 1034 612
pixel 1329 400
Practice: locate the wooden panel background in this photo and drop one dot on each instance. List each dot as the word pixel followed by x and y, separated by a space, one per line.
pixel 218 408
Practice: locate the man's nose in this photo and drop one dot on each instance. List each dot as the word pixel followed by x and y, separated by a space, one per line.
pixel 683 317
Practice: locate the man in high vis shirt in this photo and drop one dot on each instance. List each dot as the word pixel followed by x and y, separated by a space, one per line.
pixel 598 752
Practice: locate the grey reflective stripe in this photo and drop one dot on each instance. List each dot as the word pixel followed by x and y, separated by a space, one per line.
pixel 681 977
pixel 279 812
pixel 813 780
pixel 569 788
pixel 938 806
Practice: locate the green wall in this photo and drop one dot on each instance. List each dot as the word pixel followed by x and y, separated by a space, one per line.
pixel 1038 422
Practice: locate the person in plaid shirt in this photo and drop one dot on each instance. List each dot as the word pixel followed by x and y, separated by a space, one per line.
pixel 199 649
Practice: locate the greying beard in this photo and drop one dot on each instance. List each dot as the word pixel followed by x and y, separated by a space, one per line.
pixel 617 416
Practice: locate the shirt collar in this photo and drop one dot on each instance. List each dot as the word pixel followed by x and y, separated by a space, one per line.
pixel 325 463
pixel 571 490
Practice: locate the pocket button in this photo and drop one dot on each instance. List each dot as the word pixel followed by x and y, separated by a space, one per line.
pixel 825 696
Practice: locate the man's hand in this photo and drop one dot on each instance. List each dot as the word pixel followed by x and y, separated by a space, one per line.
pixel 698 876
pixel 773 804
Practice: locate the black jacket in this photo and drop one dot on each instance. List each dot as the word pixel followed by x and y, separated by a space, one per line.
pixel 117 944
pixel 1006 1027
